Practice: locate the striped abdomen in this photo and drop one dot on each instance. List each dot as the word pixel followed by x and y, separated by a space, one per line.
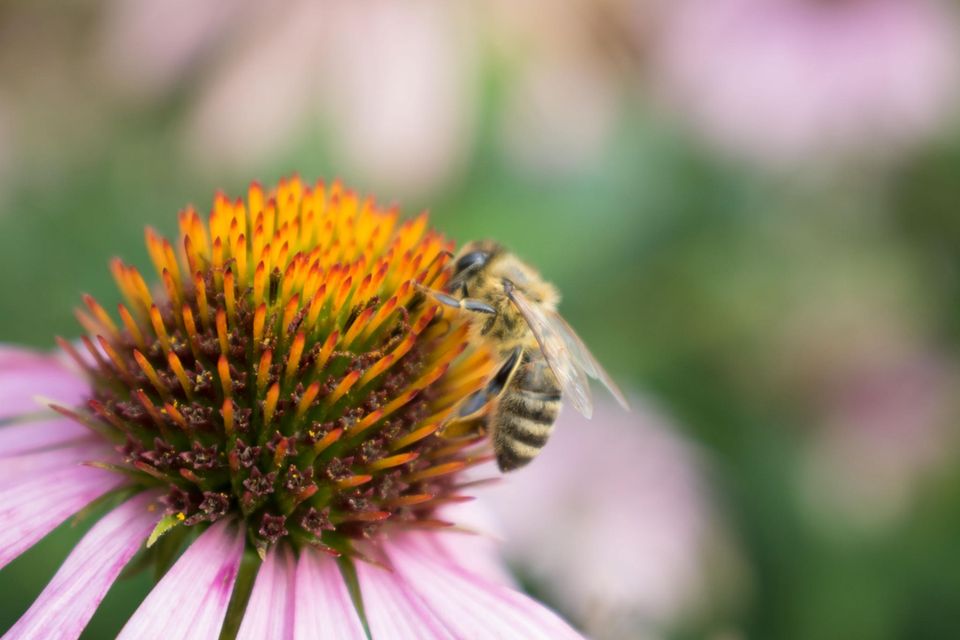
pixel 525 413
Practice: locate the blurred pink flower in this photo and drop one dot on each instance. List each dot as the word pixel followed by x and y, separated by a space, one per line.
pixel 257 94
pixel 391 84
pixel 620 544
pixel 886 428
pixel 565 93
pixel 850 347
pixel 147 48
pixel 401 98
pixel 390 92
pixel 787 80
pixel 560 114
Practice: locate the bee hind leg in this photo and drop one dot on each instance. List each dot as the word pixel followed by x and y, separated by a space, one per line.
pixel 494 388
pixel 470 418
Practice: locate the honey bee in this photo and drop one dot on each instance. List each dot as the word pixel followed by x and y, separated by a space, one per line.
pixel 543 359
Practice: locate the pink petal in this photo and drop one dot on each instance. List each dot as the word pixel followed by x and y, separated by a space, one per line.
pixel 69 601
pixel 269 612
pixel 24 437
pixel 31 509
pixel 472 606
pixel 477 548
pixel 28 467
pixel 25 376
pixel 394 610
pixel 12 358
pixel 190 602
pixel 323 607
pixel 475 552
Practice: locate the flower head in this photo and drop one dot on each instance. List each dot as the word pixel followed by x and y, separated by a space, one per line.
pixel 280 397
pixel 287 370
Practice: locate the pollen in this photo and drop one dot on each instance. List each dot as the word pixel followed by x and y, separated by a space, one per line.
pixel 284 368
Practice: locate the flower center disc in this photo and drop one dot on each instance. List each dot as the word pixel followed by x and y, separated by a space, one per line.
pixel 287 370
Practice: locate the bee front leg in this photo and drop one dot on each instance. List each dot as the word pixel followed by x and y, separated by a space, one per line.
pixel 467 304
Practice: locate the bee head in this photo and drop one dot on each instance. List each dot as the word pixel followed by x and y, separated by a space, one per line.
pixel 471 261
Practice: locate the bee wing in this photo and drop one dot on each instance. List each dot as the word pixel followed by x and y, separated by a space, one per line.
pixel 552 337
pixel 586 359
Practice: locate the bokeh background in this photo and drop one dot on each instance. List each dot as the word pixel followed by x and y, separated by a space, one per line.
pixel 751 207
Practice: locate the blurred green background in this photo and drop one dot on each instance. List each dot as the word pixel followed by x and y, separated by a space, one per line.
pixel 768 252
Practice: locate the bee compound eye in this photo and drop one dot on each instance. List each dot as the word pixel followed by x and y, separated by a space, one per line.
pixel 471 260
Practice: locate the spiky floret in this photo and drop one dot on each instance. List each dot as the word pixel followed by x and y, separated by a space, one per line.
pixel 286 370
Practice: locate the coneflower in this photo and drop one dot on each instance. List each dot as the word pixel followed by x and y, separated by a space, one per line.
pixel 274 411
